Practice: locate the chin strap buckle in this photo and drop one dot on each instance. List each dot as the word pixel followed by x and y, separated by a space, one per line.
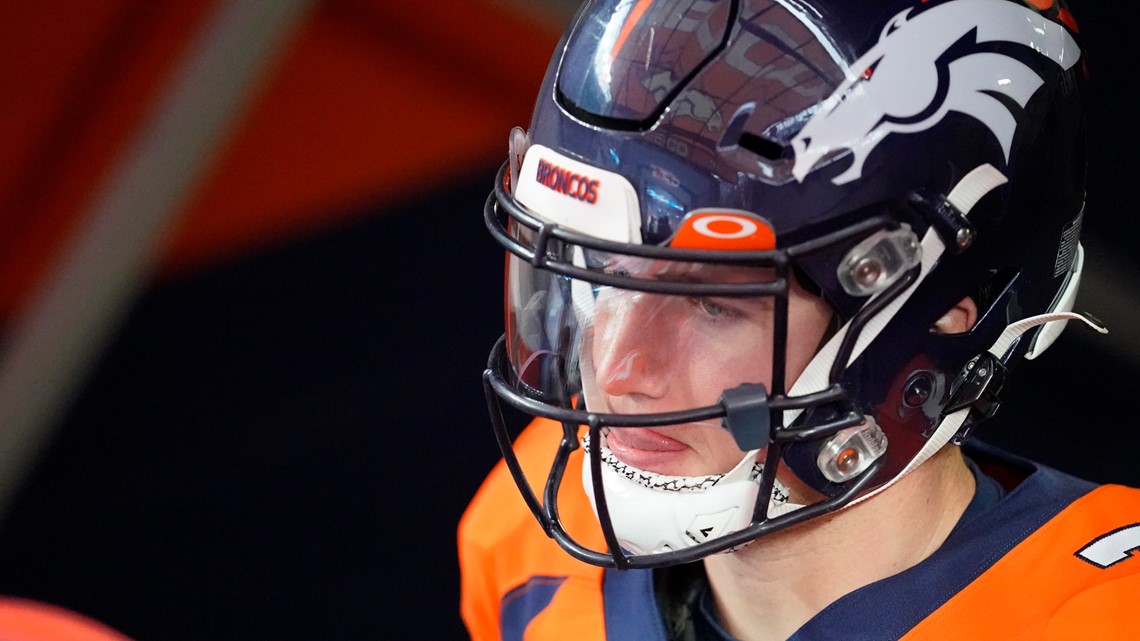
pixel 979 388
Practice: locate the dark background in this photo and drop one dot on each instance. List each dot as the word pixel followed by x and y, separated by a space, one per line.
pixel 280 447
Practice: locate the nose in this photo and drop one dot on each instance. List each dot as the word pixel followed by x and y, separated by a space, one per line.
pixel 631 345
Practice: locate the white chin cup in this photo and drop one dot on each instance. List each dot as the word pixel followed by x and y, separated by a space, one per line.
pixel 654 513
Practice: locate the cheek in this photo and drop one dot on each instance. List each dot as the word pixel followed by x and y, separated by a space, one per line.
pixel 613 320
pixel 725 360
pixel 808 320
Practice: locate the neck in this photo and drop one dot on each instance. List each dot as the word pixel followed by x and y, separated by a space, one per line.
pixel 766 591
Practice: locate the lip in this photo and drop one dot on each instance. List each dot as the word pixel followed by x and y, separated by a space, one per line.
pixel 647 449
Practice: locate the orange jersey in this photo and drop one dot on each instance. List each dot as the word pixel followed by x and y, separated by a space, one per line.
pixel 27 620
pixel 1051 561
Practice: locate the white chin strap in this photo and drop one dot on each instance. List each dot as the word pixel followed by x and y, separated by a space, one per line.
pixel 654 513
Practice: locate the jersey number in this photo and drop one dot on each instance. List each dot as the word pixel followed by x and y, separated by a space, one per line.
pixel 1112 548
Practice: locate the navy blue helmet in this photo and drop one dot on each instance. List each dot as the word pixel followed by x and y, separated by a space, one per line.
pixel 889 159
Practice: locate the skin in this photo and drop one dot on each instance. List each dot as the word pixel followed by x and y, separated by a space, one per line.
pixel 655 353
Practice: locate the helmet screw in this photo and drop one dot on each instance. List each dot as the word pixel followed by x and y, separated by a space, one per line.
pixel 867 271
pixel 965 236
pixel 847 460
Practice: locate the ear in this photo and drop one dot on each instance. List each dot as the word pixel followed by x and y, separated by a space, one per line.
pixel 959 319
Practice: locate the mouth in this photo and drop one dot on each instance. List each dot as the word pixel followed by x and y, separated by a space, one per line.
pixel 646 448
pixel 632 466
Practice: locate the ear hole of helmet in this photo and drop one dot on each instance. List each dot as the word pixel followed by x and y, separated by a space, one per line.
pixel 984 300
pixel 988 294
pixel 959 319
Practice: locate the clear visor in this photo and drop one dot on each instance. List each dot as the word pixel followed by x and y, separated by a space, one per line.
pixel 636 335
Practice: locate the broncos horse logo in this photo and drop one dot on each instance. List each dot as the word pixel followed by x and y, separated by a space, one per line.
pixel 907 88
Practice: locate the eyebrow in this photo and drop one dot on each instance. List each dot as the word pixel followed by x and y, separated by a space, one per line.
pixel 749 274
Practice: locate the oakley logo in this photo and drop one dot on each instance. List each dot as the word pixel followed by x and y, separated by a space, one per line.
pixel 567 182
pixel 724 229
pixel 916 74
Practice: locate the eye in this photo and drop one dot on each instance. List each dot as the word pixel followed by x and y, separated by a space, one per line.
pixel 710 307
pixel 614 268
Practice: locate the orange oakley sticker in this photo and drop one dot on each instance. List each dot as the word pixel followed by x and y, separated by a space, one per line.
pixel 724 229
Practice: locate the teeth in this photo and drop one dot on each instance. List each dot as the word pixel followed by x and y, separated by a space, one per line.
pixel 666 483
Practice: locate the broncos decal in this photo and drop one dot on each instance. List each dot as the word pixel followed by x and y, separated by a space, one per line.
pixel 902 85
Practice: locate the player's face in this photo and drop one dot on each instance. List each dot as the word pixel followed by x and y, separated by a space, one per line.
pixel 658 353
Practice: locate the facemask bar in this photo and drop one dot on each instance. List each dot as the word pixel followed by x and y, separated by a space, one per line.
pixel 542 255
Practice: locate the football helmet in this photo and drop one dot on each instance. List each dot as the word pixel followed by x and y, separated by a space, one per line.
pixel 696 169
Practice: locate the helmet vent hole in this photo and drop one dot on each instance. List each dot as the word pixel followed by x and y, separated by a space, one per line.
pixel 763 147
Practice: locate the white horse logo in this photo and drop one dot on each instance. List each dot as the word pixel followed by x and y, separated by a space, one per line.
pixel 901 91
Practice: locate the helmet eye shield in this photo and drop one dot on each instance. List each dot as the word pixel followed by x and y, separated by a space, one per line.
pixel 563 289
pixel 555 275
pixel 650 346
